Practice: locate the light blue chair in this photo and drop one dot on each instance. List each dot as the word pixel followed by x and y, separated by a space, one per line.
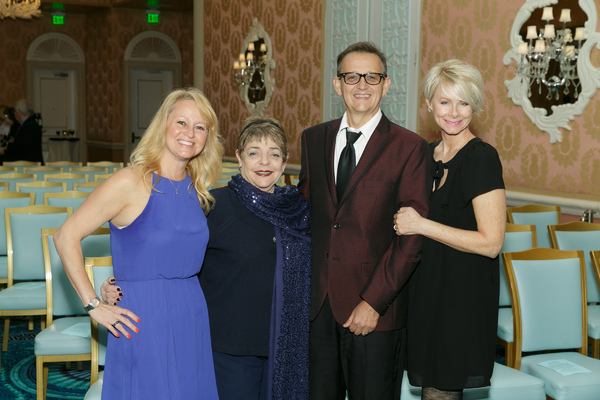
pixel 90 171
pixel 39 172
pixel 98 269
pixel 516 238
pixel 39 188
pixel 7 170
pixel 9 200
pixel 110 166
pixel 14 177
pixel 53 344
pixel 26 262
pixel 540 216
pixel 594 311
pixel 20 165
pixel 86 186
pixel 65 166
pixel 506 384
pixel 69 198
pixel 583 236
pixel 548 293
pixel 67 178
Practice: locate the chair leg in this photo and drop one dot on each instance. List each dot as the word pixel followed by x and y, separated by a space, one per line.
pixel 46 370
pixel 79 365
pixel 510 354
pixel 42 322
pixel 6 331
pixel 30 325
pixel 68 365
pixel 595 347
pixel 39 378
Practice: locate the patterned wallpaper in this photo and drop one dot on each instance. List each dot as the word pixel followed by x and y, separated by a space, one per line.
pixel 294 27
pixel 478 32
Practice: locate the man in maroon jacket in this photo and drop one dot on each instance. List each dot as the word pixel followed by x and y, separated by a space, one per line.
pixel 357 171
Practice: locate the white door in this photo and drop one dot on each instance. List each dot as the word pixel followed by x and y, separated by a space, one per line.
pixel 148 89
pixel 55 98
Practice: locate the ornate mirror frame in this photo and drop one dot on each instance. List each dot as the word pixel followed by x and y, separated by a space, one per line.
pixel 588 75
pixel 258 31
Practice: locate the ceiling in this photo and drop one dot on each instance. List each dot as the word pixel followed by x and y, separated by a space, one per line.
pixel 86 6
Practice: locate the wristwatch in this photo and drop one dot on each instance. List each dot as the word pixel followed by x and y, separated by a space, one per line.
pixel 95 302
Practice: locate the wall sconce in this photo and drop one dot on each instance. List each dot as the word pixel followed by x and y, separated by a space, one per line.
pixel 251 71
pixel 23 9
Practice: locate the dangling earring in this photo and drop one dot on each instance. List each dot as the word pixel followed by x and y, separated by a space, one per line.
pixel 429 109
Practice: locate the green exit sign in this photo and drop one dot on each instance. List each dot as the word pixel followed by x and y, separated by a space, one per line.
pixel 58 19
pixel 153 18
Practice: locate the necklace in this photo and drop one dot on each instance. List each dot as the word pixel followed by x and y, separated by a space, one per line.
pixel 176 188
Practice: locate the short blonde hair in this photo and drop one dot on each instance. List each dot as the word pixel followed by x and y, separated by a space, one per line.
pixel 458 80
pixel 259 127
pixel 205 168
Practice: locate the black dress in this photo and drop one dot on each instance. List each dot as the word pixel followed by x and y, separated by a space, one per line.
pixel 453 310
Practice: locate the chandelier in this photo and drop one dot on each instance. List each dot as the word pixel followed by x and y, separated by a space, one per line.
pixel 549 45
pixel 250 67
pixel 24 9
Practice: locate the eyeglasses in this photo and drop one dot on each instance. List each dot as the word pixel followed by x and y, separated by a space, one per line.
pixel 352 78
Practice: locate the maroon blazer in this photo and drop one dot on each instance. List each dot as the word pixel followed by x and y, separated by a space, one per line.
pixel 356 254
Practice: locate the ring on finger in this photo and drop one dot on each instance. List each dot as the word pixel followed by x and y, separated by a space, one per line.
pixel 115 324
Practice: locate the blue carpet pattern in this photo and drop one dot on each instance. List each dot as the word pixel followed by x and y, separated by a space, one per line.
pixel 18 378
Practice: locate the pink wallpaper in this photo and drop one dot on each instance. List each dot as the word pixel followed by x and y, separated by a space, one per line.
pixel 478 32
pixel 294 27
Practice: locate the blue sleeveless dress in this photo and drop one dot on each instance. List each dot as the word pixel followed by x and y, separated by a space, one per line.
pixel 155 261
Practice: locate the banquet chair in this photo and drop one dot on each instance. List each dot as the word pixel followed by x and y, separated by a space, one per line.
pixel 86 186
pixel 583 236
pixel 110 166
pixel 39 188
pixel 67 178
pixel 90 171
pixel 14 177
pixel 19 165
pixel 102 177
pixel 506 384
pixel 39 172
pixel 65 339
pixel 548 293
pixel 594 311
pixel 3 186
pixel 65 166
pixel 98 269
pixel 516 238
pixel 9 200
pixel 7 170
pixel 69 198
pixel 540 216
pixel 26 262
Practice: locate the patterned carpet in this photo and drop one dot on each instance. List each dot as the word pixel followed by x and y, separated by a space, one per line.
pixel 17 378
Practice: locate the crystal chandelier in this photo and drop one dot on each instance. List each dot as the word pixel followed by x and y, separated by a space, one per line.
pixel 548 45
pixel 24 9
pixel 249 69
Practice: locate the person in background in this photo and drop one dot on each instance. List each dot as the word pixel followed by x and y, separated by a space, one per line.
pixel 159 233
pixel 256 274
pixel 26 144
pixel 454 292
pixel 359 267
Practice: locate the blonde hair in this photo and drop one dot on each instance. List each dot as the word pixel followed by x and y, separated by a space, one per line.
pixel 259 127
pixel 205 168
pixel 458 80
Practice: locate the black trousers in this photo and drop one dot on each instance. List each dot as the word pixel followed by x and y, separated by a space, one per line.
pixel 367 367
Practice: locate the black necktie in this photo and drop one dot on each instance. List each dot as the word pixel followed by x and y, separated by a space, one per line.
pixel 347 163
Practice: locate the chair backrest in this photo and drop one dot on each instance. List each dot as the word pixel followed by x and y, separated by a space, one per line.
pixel 549 302
pixel 61 297
pixel 86 186
pixel 110 166
pixel 7 170
pixel 69 198
pixel 39 188
pixel 595 257
pixel 102 177
pixel 66 177
pixel 540 216
pixel 11 200
pixel 516 238
pixel 90 171
pixel 98 270
pixel 24 239
pixel 579 236
pixel 65 166
pixel 39 172
pixel 14 177
pixel 3 186
pixel 19 165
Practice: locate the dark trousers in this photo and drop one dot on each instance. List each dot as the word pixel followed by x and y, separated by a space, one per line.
pixel 241 377
pixel 367 367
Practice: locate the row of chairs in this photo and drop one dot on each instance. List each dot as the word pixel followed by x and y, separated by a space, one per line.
pixel 64 166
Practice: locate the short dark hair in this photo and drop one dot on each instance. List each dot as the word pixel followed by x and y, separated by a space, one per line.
pixel 363 47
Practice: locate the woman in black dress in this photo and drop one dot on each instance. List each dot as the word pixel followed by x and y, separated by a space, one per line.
pixel 454 292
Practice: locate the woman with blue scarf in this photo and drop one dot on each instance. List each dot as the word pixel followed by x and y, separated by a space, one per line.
pixel 256 273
